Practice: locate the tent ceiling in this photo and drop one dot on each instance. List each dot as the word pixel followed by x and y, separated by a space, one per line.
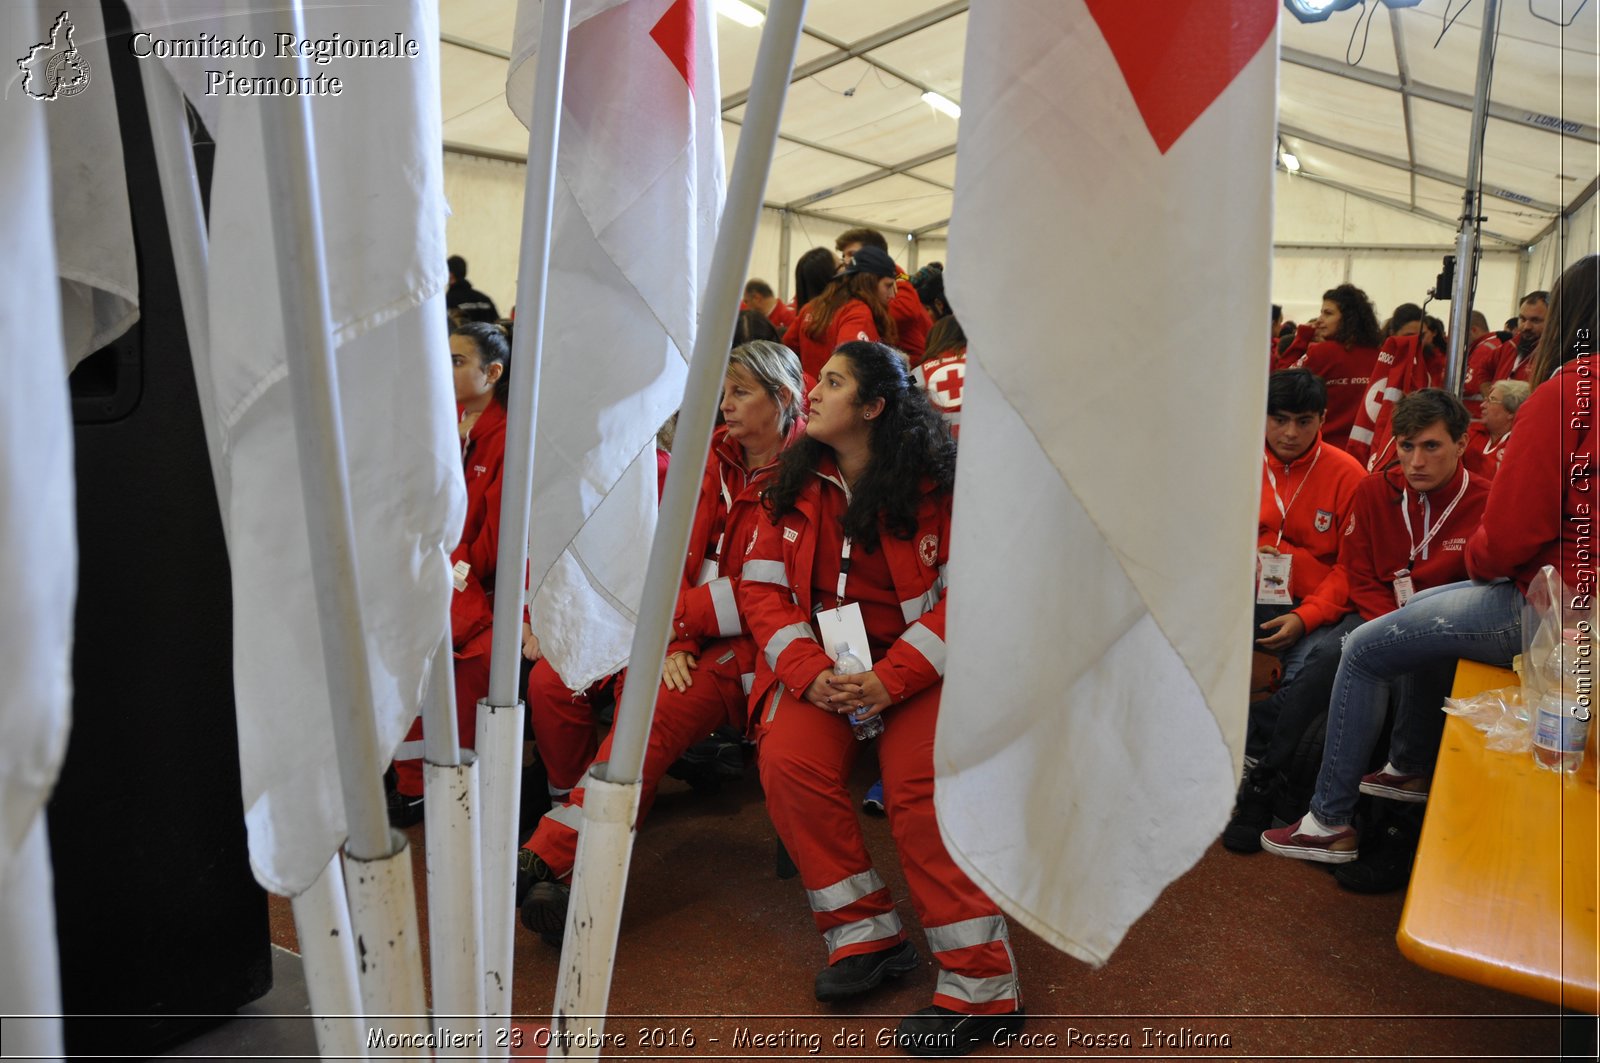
pixel 859 145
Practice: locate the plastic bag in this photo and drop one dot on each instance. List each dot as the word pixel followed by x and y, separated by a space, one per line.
pixel 1502 715
pixel 1550 618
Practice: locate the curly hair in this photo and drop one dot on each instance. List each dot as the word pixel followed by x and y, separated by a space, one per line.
pixel 910 444
pixel 1358 322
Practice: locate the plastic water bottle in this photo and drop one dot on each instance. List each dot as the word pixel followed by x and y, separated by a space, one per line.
pixel 847 663
pixel 1561 717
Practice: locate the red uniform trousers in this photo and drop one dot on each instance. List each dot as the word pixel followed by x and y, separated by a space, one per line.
pixel 562 720
pixel 805 756
pixel 682 718
pixel 471 683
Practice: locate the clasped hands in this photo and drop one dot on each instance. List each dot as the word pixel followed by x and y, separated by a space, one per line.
pixel 845 694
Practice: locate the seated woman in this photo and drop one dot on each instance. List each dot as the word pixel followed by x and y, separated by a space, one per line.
pixel 711 659
pixel 857 530
pixel 854 306
pixel 480 359
pixel 1539 512
pixel 1486 442
pixel 1341 348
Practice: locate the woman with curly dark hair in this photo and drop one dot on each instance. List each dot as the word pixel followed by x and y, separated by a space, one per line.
pixel 1341 347
pixel 847 573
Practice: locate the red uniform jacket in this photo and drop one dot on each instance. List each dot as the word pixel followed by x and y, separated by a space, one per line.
pixel 1509 364
pixel 1376 544
pixel 911 320
pixel 853 321
pixel 1542 507
pixel 707 608
pixel 483 454
pixel 1481 361
pixel 944 379
pixel 1345 370
pixel 1317 491
pixel 1482 457
pixel 776 594
pixel 782 315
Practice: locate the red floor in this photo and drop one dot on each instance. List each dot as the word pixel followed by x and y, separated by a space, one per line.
pixel 1269 954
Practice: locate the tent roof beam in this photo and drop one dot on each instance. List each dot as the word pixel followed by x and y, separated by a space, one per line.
pixel 878 175
pixel 1404 208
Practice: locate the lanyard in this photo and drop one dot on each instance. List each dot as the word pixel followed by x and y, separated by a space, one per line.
pixel 1283 509
pixel 1490 446
pixel 727 511
pixel 844 552
pixel 1427 536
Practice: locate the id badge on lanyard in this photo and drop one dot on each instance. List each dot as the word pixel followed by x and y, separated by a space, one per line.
pixel 1403 590
pixel 1272 579
pixel 844 624
pixel 709 566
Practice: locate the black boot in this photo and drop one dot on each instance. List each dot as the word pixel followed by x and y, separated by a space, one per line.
pixel 1252 811
pixel 936 1031
pixel 865 971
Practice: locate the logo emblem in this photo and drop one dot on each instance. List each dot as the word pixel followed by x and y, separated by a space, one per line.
pixel 928 550
pixel 54 69
pixel 1324 520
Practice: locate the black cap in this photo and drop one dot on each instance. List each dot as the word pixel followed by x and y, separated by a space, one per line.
pixel 868 259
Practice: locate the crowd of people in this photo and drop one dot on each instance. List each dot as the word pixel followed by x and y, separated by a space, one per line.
pixel 1399 524
pixel 1375 575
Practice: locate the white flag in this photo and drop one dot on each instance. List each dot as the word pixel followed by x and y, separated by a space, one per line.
pixel 638 195
pixel 1116 160
pixel 380 183
pixel 68 67
pixel 38 564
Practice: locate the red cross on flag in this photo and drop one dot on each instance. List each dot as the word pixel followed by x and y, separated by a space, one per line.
pixel 1090 734
pixel 638 195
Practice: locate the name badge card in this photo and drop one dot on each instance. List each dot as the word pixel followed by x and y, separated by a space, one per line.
pixel 844 625
pixel 1403 590
pixel 1272 579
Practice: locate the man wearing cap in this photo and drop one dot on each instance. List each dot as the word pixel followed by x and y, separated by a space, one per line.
pixel 911 320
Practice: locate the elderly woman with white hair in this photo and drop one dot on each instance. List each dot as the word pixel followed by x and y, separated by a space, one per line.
pixel 1486 446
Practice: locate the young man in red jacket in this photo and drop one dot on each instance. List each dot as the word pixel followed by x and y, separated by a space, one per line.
pixel 911 320
pixel 1307 487
pixel 1407 532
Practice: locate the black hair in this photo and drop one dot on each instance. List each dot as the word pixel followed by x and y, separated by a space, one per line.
pixel 1277 312
pixel 757 286
pixel 1540 296
pixel 945 336
pixel 1296 391
pixel 457 267
pixel 929 283
pixel 1422 408
pixel 494 347
pixel 910 443
pixel 1358 322
pixel 1403 315
pixel 754 325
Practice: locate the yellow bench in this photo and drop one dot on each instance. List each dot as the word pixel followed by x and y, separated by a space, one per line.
pixel 1505 887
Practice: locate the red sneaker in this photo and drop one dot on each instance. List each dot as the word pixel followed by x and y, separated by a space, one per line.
pixel 1396 787
pixel 1340 847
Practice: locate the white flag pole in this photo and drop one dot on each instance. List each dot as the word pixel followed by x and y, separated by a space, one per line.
pixel 500 716
pixel 382 907
pixel 611 800
pixel 455 915
pixel 30 970
pixel 328 959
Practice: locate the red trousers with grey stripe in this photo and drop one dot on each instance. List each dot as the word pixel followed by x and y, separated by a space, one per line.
pixel 681 719
pixel 805 756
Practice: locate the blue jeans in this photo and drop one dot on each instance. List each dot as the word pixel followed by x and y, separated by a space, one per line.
pixel 1478 621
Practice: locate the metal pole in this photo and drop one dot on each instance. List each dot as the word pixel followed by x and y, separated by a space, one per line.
pixel 1467 238
pixel 295 214
pixel 589 944
pixel 500 715
pixel 785 269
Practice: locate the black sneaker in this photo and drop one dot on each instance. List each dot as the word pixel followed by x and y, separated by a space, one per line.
pixel 936 1031
pixel 865 971
pixel 531 868
pixel 404 810
pixel 544 911
pixel 1385 862
pixel 1252 812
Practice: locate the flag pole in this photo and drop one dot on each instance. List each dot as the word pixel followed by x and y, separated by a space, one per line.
pixel 454 858
pixel 500 716
pixel 1471 204
pixel 382 905
pixel 611 799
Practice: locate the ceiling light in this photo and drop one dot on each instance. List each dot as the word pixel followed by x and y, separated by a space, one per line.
pixel 1316 10
pixel 942 103
pixel 1290 163
pixel 740 12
